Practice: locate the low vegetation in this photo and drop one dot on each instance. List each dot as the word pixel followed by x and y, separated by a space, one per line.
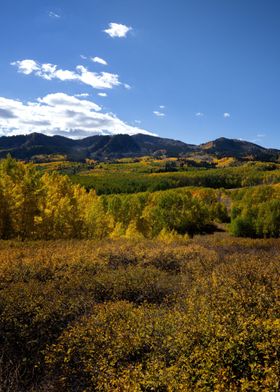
pixel 199 314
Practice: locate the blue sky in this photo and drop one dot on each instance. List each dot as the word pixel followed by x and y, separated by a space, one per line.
pixel 193 70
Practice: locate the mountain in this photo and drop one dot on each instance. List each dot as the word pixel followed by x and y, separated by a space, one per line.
pixel 27 147
pixel 240 149
pixel 152 145
pixel 95 147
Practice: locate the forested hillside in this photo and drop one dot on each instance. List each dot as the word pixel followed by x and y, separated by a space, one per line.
pixel 37 146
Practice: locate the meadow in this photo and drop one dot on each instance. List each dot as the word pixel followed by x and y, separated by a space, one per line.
pixel 118 315
pixel 112 288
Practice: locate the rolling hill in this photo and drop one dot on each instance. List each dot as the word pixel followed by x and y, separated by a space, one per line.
pixel 27 147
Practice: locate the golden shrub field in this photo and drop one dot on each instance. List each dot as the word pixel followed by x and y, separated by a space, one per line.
pixel 196 314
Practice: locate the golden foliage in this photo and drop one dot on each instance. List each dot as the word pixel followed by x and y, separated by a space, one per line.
pixel 191 315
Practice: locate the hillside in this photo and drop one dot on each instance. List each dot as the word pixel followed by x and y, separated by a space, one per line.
pixel 239 149
pixel 27 147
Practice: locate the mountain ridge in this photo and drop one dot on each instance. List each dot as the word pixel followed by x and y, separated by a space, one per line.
pixel 99 147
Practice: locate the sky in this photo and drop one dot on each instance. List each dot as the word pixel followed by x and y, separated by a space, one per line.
pixel 192 70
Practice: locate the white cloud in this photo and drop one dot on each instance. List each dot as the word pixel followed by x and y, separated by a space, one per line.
pixel 199 114
pixel 260 135
pixel 158 114
pixel 54 15
pixel 137 121
pixel 162 107
pixel 60 74
pixel 102 80
pixel 26 66
pixel 117 30
pixel 83 57
pixel 102 94
pixel 226 115
pixel 82 95
pixel 99 60
pixel 64 100
pixel 60 114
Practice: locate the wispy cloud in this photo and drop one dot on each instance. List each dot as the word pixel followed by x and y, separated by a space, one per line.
pixel 99 60
pixel 102 80
pixel 54 15
pixel 82 95
pixel 137 121
pixel 117 30
pixel 158 114
pixel 60 114
pixel 102 94
pixel 227 115
pixel 199 114
pixel 260 135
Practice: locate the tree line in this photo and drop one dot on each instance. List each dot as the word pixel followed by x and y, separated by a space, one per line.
pixel 36 205
pixel 48 206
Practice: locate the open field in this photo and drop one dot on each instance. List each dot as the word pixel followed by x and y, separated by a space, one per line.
pixel 190 315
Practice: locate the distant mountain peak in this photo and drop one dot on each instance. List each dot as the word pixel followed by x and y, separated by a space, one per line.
pixel 121 145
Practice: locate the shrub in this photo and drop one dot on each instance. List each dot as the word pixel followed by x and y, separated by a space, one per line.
pixel 257 213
